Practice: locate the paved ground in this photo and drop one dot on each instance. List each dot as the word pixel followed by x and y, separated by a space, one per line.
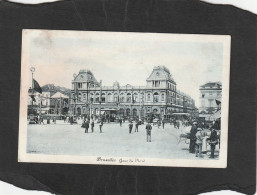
pixel 65 139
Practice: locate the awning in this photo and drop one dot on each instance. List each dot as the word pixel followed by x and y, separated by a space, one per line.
pixel 59 95
pixel 109 109
pixel 216 115
pixel 187 114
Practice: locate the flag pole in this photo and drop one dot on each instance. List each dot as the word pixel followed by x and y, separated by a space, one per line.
pixel 100 99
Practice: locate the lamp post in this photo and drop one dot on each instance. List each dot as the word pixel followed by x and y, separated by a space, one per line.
pixel 32 70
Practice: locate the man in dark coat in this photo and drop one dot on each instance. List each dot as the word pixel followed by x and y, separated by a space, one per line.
pixel 148 132
pixel 86 127
pixel 193 131
pixel 130 126
pixel 136 129
pixel 92 126
pixel 101 125
pixel 120 120
pixel 213 141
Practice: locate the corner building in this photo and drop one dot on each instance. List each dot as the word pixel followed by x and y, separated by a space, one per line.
pixel 159 97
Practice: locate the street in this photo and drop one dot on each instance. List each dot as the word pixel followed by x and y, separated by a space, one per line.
pixel 65 139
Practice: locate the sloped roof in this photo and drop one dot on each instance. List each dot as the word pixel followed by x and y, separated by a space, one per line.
pixel 85 76
pixel 160 73
pixel 211 84
pixel 59 95
pixel 48 87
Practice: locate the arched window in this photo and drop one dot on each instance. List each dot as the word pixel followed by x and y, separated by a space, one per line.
pixel 91 97
pixel 128 97
pixel 149 97
pixel 116 97
pixel 79 97
pixel 122 98
pixel 163 97
pixel 97 97
pixel 109 95
pixel 155 97
pixel 135 96
pixel 103 97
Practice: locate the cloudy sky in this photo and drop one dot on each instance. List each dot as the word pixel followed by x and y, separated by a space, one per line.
pixel 129 60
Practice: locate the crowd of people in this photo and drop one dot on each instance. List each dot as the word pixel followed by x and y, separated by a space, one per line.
pixel 200 136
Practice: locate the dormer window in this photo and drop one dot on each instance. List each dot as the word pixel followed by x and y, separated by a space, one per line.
pixel 79 85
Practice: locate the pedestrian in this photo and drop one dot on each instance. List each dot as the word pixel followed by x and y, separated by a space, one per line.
pixel 213 140
pixel 120 120
pixel 92 126
pixel 71 120
pixel 100 126
pixel 54 120
pixel 198 143
pixel 48 120
pixel 163 123
pixel 130 126
pixel 86 126
pixel 175 123
pixel 136 127
pixel 159 124
pixel 41 120
pixel 148 132
pixel 64 118
pixel 192 137
pixel 178 124
pixel 205 137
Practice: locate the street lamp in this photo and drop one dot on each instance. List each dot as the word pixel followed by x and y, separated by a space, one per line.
pixel 32 70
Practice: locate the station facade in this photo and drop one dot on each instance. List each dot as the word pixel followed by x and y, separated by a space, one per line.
pixel 159 96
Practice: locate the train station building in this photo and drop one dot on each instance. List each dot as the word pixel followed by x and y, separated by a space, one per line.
pixel 159 96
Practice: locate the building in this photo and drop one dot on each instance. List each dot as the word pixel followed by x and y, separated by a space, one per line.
pixel 159 96
pixel 51 100
pixel 210 99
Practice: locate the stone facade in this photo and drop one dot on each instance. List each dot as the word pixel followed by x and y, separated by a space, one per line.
pixel 159 96
pixel 210 96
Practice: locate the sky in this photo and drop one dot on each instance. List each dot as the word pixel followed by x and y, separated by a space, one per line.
pixel 127 60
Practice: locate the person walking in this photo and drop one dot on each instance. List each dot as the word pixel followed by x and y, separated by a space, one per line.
pixel 213 140
pixel 178 124
pixel 54 120
pixel 159 124
pixel 100 126
pixel 86 126
pixel 92 126
pixel 120 120
pixel 130 126
pixel 41 120
pixel 192 137
pixel 148 132
pixel 163 123
pixel 48 120
pixel 71 120
pixel 199 142
pixel 136 127
pixel 175 123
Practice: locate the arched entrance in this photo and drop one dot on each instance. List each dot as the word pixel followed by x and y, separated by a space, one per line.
pixel 134 112
pixel 65 110
pixel 155 111
pixel 121 113
pixel 128 112
pixel 78 111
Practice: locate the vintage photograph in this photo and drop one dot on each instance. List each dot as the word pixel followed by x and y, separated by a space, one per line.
pixel 122 98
